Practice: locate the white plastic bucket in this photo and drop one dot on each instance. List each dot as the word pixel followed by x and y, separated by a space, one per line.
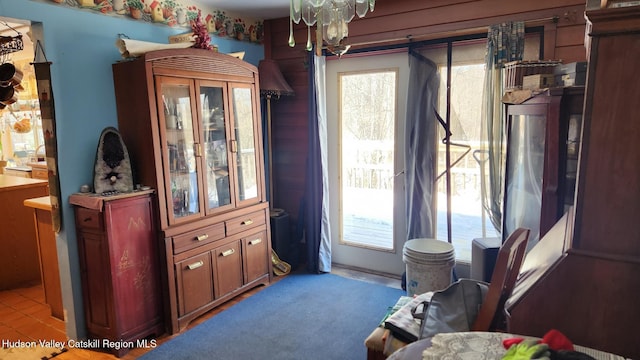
pixel 429 265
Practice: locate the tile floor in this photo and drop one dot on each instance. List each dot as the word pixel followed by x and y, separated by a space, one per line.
pixel 25 316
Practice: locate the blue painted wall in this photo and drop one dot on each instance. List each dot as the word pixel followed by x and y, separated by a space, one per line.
pixel 81 46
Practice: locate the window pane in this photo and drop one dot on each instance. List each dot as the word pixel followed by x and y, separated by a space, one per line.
pixel 367 133
pixel 467 81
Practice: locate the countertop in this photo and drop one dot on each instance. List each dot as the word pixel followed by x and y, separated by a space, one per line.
pixel 8 182
pixel 43 203
pixel 29 166
pixel 19 168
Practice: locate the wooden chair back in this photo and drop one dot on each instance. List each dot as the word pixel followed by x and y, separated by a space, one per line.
pixel 503 279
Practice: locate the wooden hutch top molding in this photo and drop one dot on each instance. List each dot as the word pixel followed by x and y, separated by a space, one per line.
pixel 613 20
pixel 199 60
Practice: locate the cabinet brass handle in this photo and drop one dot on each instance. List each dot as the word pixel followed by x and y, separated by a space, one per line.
pixel 255 241
pixel 202 237
pixel 197 150
pixel 87 219
pixel 234 146
pixel 247 222
pixel 228 252
pixel 195 265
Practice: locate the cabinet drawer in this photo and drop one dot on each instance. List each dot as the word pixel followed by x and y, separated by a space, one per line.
pixel 17 173
pixel 245 222
pixel 88 219
pixel 39 174
pixel 196 238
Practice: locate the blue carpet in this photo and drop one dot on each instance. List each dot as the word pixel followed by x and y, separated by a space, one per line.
pixel 302 316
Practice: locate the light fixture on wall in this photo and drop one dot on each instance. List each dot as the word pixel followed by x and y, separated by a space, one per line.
pixel 272 86
pixel 332 16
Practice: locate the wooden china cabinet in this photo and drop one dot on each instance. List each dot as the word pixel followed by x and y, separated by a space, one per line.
pixel 543 135
pixel 191 122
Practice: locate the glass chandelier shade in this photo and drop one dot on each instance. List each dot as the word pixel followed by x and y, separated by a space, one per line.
pixel 333 16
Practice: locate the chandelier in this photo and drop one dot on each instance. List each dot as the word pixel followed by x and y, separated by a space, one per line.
pixel 333 16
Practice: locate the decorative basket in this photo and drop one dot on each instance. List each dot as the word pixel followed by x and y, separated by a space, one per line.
pixel 11 44
pixel 515 71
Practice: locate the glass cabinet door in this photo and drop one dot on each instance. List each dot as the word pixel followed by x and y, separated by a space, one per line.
pixel 571 167
pixel 524 173
pixel 247 146
pixel 218 191
pixel 179 147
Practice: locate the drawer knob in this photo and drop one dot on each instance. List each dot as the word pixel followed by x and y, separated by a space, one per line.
pixel 247 222
pixel 228 252
pixel 195 265
pixel 255 241
pixel 202 237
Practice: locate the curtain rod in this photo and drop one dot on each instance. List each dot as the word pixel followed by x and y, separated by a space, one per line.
pixel 410 37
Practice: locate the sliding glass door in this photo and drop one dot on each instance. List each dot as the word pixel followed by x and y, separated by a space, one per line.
pixel 366 98
pixel 461 64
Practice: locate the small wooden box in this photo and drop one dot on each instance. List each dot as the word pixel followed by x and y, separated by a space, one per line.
pixel 538 81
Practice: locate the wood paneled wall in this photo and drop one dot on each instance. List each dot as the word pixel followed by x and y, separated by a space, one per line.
pixel 394 22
